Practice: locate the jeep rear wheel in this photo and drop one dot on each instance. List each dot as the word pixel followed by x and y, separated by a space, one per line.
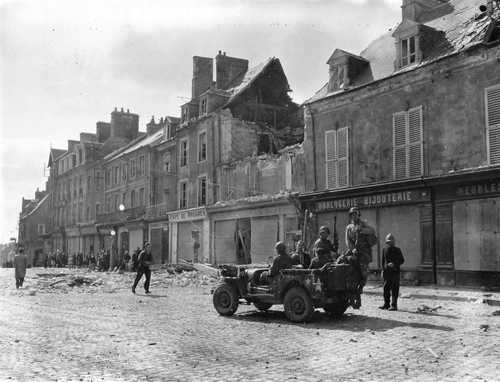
pixel 225 300
pixel 262 305
pixel 337 309
pixel 298 305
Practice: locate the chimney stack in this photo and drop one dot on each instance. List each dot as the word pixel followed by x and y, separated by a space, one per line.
pixel 203 68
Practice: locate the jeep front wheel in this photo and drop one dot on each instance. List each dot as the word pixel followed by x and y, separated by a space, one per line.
pixel 337 309
pixel 225 300
pixel 262 305
pixel 298 305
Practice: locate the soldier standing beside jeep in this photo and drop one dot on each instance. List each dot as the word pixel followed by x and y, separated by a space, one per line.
pixel 392 258
pixel 360 238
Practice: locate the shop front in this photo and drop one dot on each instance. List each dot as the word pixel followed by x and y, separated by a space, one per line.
pixel 189 235
pixel 157 217
pixel 245 233
pixel 400 211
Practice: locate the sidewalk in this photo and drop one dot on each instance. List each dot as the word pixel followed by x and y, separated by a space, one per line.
pixel 438 293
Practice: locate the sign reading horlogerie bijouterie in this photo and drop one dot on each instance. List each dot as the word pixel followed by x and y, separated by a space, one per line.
pixel 373 200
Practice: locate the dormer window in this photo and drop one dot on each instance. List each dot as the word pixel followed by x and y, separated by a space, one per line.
pixel 337 76
pixel 408 51
pixel 203 106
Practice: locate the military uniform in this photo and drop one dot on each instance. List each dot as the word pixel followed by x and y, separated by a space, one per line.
pixel 360 237
pixel 392 258
pixel 283 261
pixel 301 259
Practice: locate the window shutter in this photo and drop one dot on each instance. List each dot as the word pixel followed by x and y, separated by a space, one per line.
pixel 493 123
pixel 331 158
pixel 415 152
pixel 399 137
pixel 343 157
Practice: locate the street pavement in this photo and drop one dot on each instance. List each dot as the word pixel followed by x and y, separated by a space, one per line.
pixel 174 334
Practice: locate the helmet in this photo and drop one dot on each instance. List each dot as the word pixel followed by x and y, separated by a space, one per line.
pixel 354 210
pixel 280 246
pixel 390 238
pixel 324 228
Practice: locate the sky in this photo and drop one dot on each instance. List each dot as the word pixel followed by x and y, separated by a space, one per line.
pixel 64 64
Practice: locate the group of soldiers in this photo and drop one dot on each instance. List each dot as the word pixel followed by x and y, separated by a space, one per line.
pixel 359 238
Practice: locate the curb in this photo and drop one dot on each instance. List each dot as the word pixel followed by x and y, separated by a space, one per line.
pixel 488 301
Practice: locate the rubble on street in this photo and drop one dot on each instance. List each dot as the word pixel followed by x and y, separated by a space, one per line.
pixel 63 280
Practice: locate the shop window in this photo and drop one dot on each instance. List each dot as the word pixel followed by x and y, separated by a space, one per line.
pixel 337 158
pixel 202 147
pixel 202 191
pixel 184 152
pixel 493 124
pixel 407 137
pixel 183 194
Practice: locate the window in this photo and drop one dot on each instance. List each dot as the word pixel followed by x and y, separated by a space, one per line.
pixel 408 51
pixel 97 209
pixel 124 172
pixel 202 147
pixel 115 175
pixel 132 168
pixel 107 177
pixel 141 197
pixel 167 162
pixel 41 229
pixel 73 160
pixel 87 217
pixel 89 183
pixel 184 152
pixel 493 124
pixel 80 186
pixel 97 182
pixel 141 166
pixel 203 106
pixel 124 199
pixel 115 205
pixel 337 77
pixel 337 158
pixel 74 188
pixel 132 198
pixel 80 156
pixel 183 194
pixel 407 138
pixel 184 114
pixel 202 191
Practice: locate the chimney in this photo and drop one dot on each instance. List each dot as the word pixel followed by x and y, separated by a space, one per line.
pixel 422 11
pixel 229 70
pixel 203 69
pixel 103 131
pixel 124 125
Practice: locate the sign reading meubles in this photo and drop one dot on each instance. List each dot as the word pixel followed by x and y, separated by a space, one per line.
pixel 374 200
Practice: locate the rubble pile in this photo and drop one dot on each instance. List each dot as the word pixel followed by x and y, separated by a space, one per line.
pixel 85 281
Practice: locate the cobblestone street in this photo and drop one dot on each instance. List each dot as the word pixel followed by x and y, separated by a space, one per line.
pixel 175 334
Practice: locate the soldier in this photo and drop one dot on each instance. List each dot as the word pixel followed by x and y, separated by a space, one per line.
pixel 20 265
pixel 392 258
pixel 145 260
pixel 301 257
pixel 282 261
pixel 360 238
pixel 325 244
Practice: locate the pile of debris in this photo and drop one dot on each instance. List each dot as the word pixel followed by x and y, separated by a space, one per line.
pixel 85 281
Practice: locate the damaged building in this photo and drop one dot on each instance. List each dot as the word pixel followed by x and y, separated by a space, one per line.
pixel 244 113
pixel 409 131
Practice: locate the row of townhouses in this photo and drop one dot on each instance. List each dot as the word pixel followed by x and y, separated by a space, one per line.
pixel 408 130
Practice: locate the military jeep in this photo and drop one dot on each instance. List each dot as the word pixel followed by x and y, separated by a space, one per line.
pixel 334 288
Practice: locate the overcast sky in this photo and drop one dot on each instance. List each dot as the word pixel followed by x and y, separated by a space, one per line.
pixel 66 64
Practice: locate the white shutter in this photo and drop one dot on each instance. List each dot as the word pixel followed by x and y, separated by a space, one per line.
pixel 343 157
pixel 399 139
pixel 493 123
pixel 331 158
pixel 415 151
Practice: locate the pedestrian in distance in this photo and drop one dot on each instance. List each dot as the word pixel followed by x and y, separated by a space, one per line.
pixel 20 265
pixel 392 258
pixel 144 261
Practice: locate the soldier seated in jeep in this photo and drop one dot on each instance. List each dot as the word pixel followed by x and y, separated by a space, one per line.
pixel 281 261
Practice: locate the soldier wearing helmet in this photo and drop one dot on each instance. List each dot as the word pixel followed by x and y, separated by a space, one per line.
pixel 281 261
pixel 360 238
pixel 392 258
pixel 323 249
